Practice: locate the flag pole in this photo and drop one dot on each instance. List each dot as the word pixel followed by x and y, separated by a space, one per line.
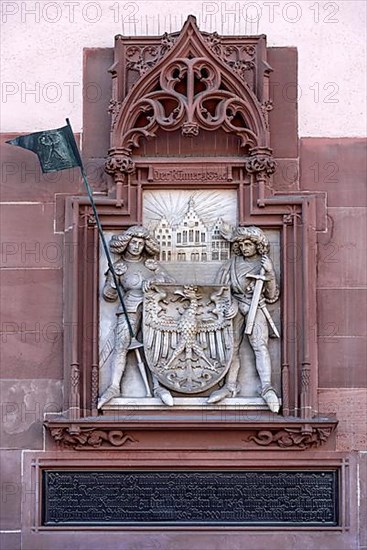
pixel 134 345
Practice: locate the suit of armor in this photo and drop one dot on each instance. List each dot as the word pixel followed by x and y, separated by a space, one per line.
pixel 133 276
pixel 135 272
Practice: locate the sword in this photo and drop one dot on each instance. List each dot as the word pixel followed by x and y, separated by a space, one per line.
pixel 260 279
pixel 270 320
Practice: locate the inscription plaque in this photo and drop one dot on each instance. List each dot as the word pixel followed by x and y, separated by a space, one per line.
pixel 246 497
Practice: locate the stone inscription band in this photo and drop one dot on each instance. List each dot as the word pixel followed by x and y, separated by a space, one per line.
pixel 246 497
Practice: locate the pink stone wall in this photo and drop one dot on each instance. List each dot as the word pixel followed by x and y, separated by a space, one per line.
pixel 32 296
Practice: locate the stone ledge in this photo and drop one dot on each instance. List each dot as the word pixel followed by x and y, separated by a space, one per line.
pixel 190 431
pixel 187 403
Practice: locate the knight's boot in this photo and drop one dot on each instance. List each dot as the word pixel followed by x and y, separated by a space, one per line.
pixel 164 395
pixel 111 392
pixel 228 390
pixel 270 398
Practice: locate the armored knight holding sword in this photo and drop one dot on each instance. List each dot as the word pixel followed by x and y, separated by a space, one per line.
pixel 251 276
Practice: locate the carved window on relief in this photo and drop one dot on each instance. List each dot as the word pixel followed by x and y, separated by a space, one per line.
pixel 201 296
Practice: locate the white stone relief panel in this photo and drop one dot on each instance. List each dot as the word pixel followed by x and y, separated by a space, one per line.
pixel 188 225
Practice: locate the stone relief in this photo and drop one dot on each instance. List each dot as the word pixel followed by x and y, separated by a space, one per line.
pixel 251 276
pixel 137 270
pixel 188 337
pixel 187 226
pixel 141 59
pixel 193 337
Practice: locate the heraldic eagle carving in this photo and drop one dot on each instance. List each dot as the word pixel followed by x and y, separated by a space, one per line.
pixel 188 338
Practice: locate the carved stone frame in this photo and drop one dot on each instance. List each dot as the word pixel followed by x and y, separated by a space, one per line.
pixel 36 463
pixel 295 215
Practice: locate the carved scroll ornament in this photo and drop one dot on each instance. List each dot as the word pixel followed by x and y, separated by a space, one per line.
pixel 142 59
pixel 239 58
pixel 88 438
pixel 277 437
pixel 297 438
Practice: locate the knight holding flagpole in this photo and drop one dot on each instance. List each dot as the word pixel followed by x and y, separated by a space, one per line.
pixel 251 276
pixel 136 270
pixel 57 150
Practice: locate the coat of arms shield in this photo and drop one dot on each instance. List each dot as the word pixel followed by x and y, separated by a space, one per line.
pixel 188 339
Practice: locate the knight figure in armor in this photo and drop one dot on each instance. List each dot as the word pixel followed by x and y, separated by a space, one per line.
pixel 249 267
pixel 136 270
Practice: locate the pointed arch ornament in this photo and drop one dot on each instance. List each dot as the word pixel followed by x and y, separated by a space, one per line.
pixel 190 84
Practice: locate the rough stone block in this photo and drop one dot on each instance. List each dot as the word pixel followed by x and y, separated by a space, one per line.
pixel 283 118
pixel 10 541
pixel 342 255
pixel 342 312
pixel 342 362
pixel 11 489
pixel 23 406
pixel 286 176
pixel 37 353
pixel 350 407
pixel 97 89
pixel 31 296
pixel 28 236
pixel 337 166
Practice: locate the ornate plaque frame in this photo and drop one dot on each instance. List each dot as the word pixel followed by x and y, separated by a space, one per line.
pixel 209 461
pixel 162 138
pixel 284 498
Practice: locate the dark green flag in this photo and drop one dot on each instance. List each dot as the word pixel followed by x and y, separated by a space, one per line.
pixel 56 149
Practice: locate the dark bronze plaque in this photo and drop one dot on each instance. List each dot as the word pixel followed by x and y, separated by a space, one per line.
pixel 110 497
